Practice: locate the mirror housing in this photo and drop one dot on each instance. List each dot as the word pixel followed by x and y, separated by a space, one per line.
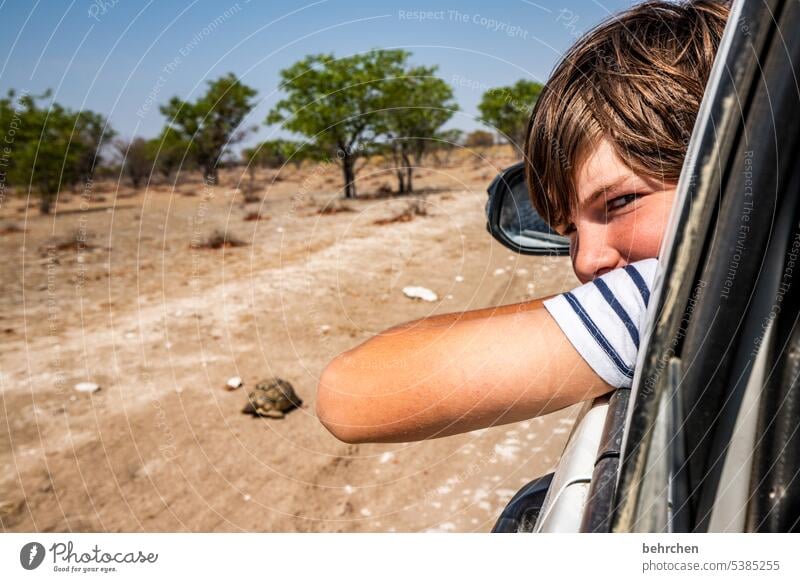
pixel 513 221
pixel 522 512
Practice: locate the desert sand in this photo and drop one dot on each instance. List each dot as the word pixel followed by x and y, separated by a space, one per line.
pixel 114 288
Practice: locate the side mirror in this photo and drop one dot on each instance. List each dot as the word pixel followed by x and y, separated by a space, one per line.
pixel 512 220
pixel 523 510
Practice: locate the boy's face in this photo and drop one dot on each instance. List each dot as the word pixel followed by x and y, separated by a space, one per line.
pixel 621 216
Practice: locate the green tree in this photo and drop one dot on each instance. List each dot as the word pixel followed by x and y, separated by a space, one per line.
pixel 136 160
pixel 420 103
pixel 94 133
pixel 275 153
pixel 49 147
pixel 479 139
pixel 170 152
pixel 211 123
pixel 507 109
pixel 338 104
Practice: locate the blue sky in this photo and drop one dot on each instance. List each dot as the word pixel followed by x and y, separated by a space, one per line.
pixel 123 58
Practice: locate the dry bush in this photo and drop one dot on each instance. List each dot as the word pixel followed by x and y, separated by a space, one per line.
pixel 413 209
pixel 335 208
pixel 254 217
pixel 219 239
pixel 78 240
pixel 11 228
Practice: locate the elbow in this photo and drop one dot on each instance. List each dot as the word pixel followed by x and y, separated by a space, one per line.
pixel 337 406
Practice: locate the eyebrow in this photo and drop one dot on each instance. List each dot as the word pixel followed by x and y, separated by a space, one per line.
pixel 601 192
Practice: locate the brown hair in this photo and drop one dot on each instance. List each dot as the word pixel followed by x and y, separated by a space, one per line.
pixel 636 79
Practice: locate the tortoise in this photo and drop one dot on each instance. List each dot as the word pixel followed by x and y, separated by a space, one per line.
pixel 272 398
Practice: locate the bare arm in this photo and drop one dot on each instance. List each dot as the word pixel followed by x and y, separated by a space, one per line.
pixel 454 373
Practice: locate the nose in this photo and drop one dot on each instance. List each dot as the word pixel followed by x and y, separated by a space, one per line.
pixel 592 253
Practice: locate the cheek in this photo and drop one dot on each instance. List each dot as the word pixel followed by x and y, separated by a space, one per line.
pixel 640 233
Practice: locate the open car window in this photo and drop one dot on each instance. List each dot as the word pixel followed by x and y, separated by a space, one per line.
pixel 725 297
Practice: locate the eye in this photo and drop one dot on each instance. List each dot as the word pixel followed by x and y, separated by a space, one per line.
pixel 621 201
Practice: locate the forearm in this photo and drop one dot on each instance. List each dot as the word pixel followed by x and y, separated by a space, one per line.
pixel 456 373
pixel 447 319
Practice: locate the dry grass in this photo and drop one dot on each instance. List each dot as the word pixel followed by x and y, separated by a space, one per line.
pixel 413 209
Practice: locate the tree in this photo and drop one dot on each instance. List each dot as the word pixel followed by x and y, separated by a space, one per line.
pixel 445 143
pixel 94 132
pixel 507 109
pixel 338 104
pixel 479 139
pixel 169 152
pixel 136 160
pixel 211 124
pixel 275 153
pixel 49 147
pixel 420 103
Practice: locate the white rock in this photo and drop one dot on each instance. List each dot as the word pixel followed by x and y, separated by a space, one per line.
pixel 366 512
pixel 348 489
pixel 506 452
pixel 386 457
pixel 459 279
pixel 420 293
pixel 324 328
pixel 87 387
pixel 234 383
pixel 498 272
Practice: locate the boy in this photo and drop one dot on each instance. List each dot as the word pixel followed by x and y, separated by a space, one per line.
pixel 605 146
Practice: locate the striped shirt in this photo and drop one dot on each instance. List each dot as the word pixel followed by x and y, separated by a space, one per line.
pixel 604 319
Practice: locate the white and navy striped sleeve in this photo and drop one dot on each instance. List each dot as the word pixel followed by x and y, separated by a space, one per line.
pixel 604 319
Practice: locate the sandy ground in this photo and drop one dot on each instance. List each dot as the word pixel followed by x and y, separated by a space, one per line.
pixel 161 325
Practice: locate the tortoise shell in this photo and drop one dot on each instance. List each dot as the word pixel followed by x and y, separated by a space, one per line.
pixel 272 398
